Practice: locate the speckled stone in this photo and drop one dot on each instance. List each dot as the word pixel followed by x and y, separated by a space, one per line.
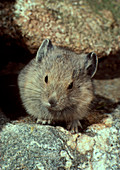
pixel 33 146
pixel 71 24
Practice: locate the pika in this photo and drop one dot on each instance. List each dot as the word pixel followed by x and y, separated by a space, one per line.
pixel 56 85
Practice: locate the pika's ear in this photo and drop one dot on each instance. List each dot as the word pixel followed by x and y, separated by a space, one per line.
pixel 91 62
pixel 43 49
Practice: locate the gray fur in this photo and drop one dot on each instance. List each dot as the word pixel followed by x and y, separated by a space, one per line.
pixel 67 91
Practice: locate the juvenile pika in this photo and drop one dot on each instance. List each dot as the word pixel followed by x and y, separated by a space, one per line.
pixel 56 85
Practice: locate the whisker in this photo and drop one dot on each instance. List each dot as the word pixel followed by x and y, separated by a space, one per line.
pixel 32 97
pixel 28 100
pixel 30 89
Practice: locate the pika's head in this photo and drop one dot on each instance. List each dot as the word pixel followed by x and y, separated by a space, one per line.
pixel 64 77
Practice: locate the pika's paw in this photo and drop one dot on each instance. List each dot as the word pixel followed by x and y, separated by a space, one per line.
pixel 74 125
pixel 43 122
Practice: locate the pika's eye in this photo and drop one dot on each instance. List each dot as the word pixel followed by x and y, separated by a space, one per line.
pixel 46 79
pixel 70 85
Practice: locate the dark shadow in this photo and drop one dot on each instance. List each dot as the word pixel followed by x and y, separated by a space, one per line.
pixel 9 97
pixel 108 67
pixel 103 105
pixel 13 49
pixel 8 1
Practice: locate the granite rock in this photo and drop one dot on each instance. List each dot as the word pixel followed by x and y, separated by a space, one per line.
pixel 72 24
pixel 33 146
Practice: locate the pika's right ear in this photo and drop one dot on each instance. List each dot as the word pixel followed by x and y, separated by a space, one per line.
pixel 43 49
pixel 91 62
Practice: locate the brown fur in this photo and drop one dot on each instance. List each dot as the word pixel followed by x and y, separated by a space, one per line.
pixel 61 67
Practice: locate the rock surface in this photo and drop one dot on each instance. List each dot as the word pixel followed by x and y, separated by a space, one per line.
pixel 78 25
pixel 32 146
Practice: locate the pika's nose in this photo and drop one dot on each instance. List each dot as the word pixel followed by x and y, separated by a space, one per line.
pixel 52 102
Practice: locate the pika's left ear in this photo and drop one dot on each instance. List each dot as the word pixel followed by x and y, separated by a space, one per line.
pixel 43 49
pixel 91 62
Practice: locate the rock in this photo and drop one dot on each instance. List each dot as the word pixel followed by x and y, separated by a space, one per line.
pixel 33 146
pixel 78 25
